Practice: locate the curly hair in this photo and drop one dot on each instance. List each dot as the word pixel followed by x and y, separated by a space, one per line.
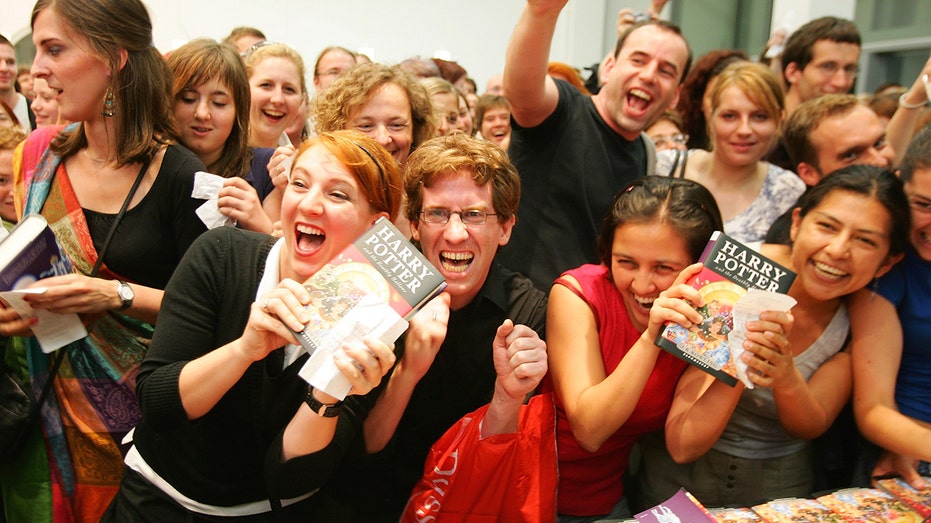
pixel 356 86
pixel 458 152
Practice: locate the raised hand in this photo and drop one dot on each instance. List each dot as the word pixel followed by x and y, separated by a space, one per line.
pixel 520 359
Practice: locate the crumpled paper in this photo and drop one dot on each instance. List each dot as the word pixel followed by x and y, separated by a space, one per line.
pixel 206 187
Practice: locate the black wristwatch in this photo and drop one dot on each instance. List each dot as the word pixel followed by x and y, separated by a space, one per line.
pixel 322 409
pixel 126 295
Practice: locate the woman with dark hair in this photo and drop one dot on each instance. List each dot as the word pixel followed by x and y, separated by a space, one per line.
pixel 612 383
pixel 211 106
pixel 230 431
pixel 890 328
pixel 117 193
pixel 743 446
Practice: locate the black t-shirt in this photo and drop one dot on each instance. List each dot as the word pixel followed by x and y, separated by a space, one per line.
pixel 571 166
pixel 153 235
pixel 460 380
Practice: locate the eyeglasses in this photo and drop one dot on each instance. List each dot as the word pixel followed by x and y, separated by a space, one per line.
pixel 468 216
pixel 331 72
pixel 255 46
pixel 674 139
pixel 831 68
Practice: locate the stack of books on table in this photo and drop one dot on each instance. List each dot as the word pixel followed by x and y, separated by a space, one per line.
pixel 894 501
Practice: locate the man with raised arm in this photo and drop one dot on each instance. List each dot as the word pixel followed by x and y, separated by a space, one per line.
pixel 575 152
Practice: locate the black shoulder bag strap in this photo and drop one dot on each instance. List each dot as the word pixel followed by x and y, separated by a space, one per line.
pixel 53 371
pixel 119 216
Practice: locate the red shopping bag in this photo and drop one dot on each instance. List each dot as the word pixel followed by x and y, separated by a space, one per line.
pixel 506 477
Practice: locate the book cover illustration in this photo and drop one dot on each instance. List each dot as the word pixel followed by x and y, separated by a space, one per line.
pixel 735 515
pixel 918 500
pixel 793 510
pixel 730 269
pixel 28 254
pixel 858 505
pixel 682 507
pixel 371 288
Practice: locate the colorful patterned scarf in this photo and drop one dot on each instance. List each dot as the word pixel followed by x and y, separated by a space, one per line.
pixel 94 404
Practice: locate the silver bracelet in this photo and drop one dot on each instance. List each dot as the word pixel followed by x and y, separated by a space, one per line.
pixel 910 106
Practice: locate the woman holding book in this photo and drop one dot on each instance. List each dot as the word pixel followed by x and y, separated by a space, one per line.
pixel 740 446
pixel 229 429
pixel 890 338
pixel 117 193
pixel 612 383
pixel 383 102
pixel 211 106
pixel 746 111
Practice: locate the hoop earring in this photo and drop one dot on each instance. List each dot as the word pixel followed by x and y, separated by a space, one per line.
pixel 109 102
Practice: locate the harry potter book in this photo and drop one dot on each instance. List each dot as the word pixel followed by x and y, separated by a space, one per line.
pixel 730 269
pixel 371 288
pixel 790 510
pixel 863 505
pixel 682 506
pixel 735 515
pixel 31 253
pixel 918 500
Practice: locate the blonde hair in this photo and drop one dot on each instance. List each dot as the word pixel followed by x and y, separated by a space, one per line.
pixel 274 50
pixel 758 82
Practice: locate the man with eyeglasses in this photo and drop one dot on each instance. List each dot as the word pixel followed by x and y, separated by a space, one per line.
pixel 476 344
pixel 331 62
pixel 820 57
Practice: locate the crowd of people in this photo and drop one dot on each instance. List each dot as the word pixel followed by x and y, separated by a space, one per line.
pixel 565 215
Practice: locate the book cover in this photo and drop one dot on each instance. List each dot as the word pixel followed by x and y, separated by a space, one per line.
pixel 792 510
pixel 371 288
pixel 28 254
pixel 918 500
pixel 681 507
pixel 735 515
pixel 856 505
pixel 730 269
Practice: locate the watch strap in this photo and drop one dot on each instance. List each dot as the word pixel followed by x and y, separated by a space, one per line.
pixel 322 409
pixel 126 295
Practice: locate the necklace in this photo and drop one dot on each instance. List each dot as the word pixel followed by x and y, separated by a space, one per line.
pixel 98 161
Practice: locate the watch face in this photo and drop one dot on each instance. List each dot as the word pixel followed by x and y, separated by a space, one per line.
pixel 125 291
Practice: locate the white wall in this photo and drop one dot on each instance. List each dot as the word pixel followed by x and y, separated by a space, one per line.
pixel 474 32
pixel 791 14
